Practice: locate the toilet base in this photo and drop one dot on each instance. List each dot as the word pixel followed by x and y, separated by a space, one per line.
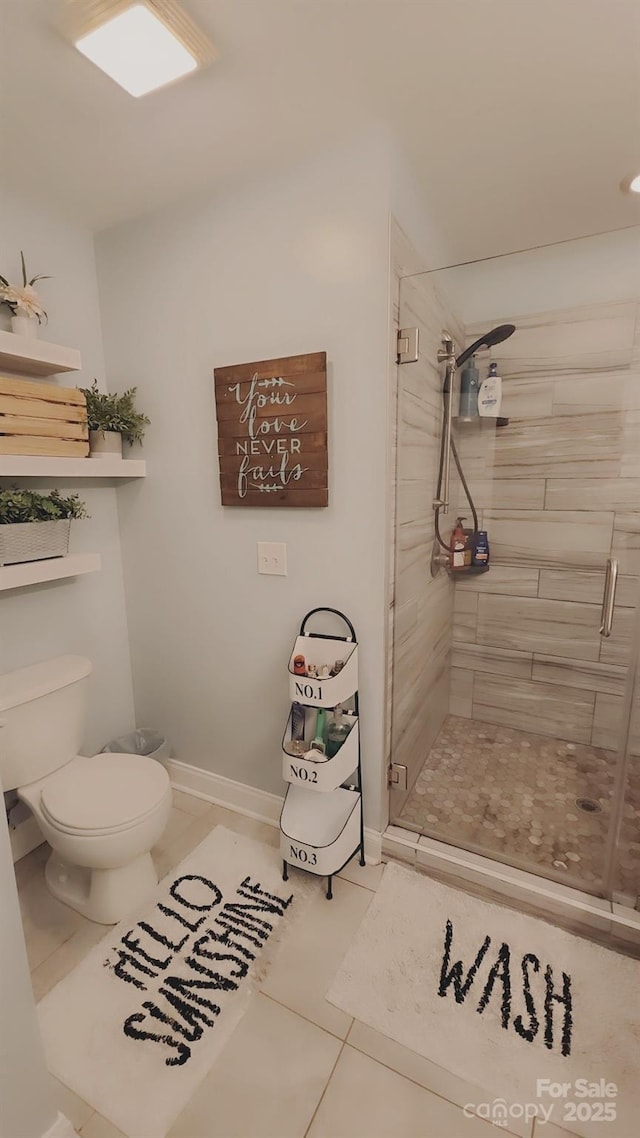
pixel 102 895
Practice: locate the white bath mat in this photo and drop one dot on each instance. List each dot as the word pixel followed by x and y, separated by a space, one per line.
pixel 502 1000
pixel 137 1025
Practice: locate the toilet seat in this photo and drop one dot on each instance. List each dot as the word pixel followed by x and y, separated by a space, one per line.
pixel 103 794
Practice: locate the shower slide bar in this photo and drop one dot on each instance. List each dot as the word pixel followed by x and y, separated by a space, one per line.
pixel 446 356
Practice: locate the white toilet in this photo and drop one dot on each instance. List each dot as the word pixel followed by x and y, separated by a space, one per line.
pixel 100 815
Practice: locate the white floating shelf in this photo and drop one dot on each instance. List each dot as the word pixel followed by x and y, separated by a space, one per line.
pixel 34 466
pixel 26 355
pixel 50 569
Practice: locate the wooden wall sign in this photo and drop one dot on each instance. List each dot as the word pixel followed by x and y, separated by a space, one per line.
pixel 272 432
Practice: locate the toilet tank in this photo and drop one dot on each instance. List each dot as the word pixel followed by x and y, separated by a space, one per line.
pixel 42 711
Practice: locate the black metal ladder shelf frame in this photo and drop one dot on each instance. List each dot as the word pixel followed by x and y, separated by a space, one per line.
pixel 357 769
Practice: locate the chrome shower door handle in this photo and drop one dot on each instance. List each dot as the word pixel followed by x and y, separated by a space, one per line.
pixel 609 597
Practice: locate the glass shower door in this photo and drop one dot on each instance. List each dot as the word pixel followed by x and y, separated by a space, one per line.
pixel 508 704
pixel 622 871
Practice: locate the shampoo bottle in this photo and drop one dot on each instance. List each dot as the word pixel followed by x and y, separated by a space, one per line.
pixel 469 386
pixel 458 541
pixel 490 394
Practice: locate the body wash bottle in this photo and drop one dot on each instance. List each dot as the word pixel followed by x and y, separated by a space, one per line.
pixel 490 394
pixel 457 545
pixel 480 551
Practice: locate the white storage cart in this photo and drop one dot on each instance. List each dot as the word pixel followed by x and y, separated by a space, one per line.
pixel 321 823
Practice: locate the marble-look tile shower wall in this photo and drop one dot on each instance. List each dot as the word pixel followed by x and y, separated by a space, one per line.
pixel 558 492
pixel 423 607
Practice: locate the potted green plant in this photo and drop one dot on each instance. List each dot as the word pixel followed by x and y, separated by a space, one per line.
pixel 23 302
pixel 111 419
pixel 34 526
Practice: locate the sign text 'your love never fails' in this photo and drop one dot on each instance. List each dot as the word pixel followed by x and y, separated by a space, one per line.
pixel 272 431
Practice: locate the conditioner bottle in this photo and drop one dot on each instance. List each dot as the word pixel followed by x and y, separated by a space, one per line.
pixel 469 385
pixel 490 395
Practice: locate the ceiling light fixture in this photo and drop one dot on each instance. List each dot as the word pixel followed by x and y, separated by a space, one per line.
pixel 140 44
pixel 631 184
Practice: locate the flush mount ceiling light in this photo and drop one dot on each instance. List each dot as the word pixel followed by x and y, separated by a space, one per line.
pixel 140 44
pixel 631 184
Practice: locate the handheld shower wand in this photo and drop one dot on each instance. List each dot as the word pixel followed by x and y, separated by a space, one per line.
pixel 489 340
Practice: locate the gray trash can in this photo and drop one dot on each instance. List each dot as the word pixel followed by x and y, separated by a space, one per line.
pixel 142 741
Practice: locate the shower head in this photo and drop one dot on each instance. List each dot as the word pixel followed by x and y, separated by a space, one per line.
pixel 495 336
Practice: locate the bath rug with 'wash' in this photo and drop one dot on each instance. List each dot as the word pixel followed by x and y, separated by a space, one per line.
pixel 137 1025
pixel 503 1000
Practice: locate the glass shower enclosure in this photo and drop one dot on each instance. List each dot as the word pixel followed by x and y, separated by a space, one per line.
pixel 515 701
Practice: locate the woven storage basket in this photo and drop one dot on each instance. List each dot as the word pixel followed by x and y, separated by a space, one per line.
pixel 33 541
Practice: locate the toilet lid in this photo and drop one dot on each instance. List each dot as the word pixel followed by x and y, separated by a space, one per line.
pixel 104 792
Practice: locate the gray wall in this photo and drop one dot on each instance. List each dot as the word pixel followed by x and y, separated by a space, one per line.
pixel 26 1103
pixel 84 615
pixel 291 264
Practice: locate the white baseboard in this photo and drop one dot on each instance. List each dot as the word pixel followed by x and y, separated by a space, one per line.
pixel 247 800
pixel 61 1128
pixel 372 846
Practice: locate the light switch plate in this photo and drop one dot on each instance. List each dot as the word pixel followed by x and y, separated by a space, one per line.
pixel 272 558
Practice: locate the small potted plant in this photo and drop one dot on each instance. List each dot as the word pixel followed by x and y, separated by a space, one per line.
pixel 34 526
pixel 111 419
pixel 23 301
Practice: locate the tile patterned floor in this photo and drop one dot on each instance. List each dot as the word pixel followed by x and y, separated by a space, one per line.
pixel 295 1067
pixel 512 795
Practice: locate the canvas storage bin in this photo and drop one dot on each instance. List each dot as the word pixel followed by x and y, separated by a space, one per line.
pixel 34 541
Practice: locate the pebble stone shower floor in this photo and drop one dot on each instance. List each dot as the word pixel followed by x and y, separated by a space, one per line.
pixel 512 794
